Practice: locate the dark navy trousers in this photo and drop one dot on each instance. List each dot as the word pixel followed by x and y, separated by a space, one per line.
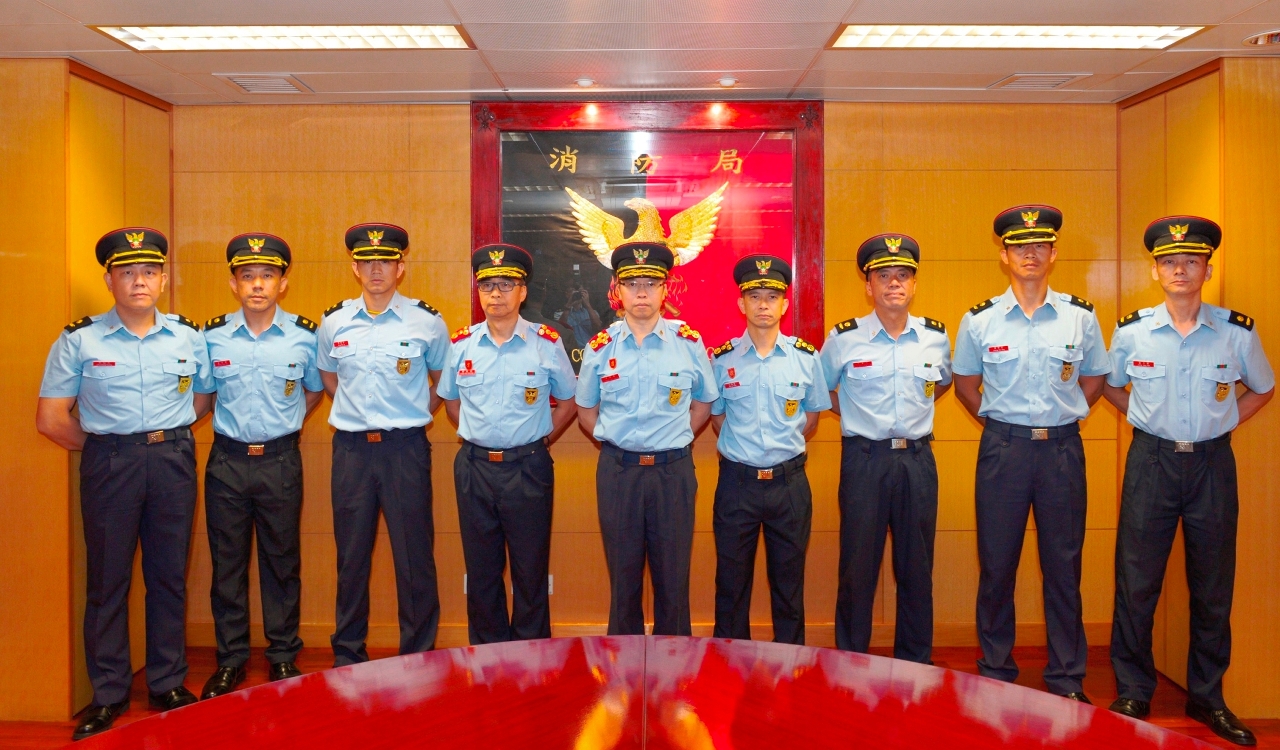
pixel 129 491
pixel 1017 475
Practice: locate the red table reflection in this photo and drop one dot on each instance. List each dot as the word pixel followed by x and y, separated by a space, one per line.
pixel 633 692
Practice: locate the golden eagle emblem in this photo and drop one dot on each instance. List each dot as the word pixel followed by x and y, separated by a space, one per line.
pixel 1179 231
pixel 894 244
pixel 496 256
pixel 255 244
pixel 1029 218
pixel 641 255
pixel 135 239
pixel 691 229
pixel 763 266
pixel 375 237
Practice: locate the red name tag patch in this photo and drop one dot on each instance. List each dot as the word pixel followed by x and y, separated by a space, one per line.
pixel 221 362
pixel 104 364
pixel 997 348
pixel 610 378
pixel 1140 363
pixel 467 369
pixel 337 344
pixel 862 364
pixel 734 384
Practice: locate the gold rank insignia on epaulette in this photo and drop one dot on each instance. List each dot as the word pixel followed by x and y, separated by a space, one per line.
pixel 723 349
pixel 1132 317
pixel 983 305
pixel 1240 319
pixel 805 346
pixel 845 326
pixel 429 308
pixel 306 323
pixel 935 325
pixel 548 333
pixel 335 308
pixel 217 322
pixel 184 320
pixel 599 341
pixel 74 326
pixel 1081 302
pixel 460 334
pixel 685 332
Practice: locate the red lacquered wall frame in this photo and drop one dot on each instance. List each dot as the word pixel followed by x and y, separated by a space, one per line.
pixel 802 118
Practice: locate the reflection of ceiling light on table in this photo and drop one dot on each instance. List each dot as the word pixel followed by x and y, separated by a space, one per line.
pixel 1011 37
pixel 186 38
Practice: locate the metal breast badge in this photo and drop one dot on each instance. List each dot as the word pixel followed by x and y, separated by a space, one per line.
pixel 289 386
pixel 530 395
pixel 184 384
pixel 792 406
pixel 674 397
pixel 1067 369
pixel 402 366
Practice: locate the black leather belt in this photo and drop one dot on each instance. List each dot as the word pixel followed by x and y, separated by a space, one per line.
pixel 893 444
pixel 1033 433
pixel 505 455
pixel 279 445
pixel 144 438
pixel 790 467
pixel 378 436
pixel 645 459
pixel 1179 446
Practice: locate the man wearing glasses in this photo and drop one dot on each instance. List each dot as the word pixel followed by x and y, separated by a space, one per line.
pixel 644 391
pixel 498 383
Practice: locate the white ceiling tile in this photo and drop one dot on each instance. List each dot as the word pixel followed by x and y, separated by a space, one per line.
pixel 867 79
pixel 163 84
pixel 242 12
pixel 119 62
pixel 946 95
pixel 392 83
pixel 1093 12
pixel 626 61
pixel 52 37
pixel 774 81
pixel 30 11
pixel 1173 62
pixel 602 36
pixel 1228 38
pixel 651 11
pixel 1264 12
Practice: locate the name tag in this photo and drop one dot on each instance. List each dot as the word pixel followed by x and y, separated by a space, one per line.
pixel 998 348
pixel 104 364
pixel 610 378
pixel 339 343
pixel 734 384
pixel 862 364
pixel 467 369
pixel 221 362
pixel 1140 363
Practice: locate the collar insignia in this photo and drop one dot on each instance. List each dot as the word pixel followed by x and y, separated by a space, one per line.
pixel 1029 218
pixel 135 239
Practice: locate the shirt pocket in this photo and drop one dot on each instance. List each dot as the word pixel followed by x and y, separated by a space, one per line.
pixel 178 378
pixel 1000 365
pixel 286 381
pixel 1148 381
pixel 1066 365
pixel 471 390
pixel 98 378
pixel 616 389
pixel 673 390
pixel 790 399
pixel 1218 389
pixel 926 382
pixel 227 380
pixel 868 381
pixel 404 359
pixel 528 391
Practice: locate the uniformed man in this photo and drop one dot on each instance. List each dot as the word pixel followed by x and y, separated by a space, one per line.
pixel 644 390
pixel 885 372
pixel 1183 359
pixel 264 369
pixel 771 392
pixel 140 379
pixel 1039 358
pixel 498 384
pixel 375 355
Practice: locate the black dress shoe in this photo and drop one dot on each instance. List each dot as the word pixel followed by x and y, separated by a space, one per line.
pixel 98 719
pixel 1223 723
pixel 222 682
pixel 1078 696
pixel 176 698
pixel 284 670
pixel 1133 708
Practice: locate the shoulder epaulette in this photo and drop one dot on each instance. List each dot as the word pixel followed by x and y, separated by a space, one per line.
pixel 805 346
pixel 935 325
pixel 723 349
pixel 1081 302
pixel 685 332
pixel 217 322
pixel 600 340
pixel 845 326
pixel 78 324
pixel 429 308
pixel 306 323
pixel 1132 317
pixel 184 320
pixel 983 305
pixel 1240 319
pixel 548 333
pixel 460 334
pixel 337 306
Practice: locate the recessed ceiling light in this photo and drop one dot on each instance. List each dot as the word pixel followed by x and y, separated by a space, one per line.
pixel 184 38
pixel 728 82
pixel 1012 37
pixel 1264 39
pixel 585 82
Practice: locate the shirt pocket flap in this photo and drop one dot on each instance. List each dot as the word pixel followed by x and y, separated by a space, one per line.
pixel 1220 374
pixel 618 383
pixel 467 381
pixel 102 372
pixel 930 373
pixel 736 391
pixel 1144 372
pixel 676 382
pixel 405 350
pixel 288 373
pixel 789 392
pixel 1065 354
pixel 866 372
pixel 536 380
pixel 338 352
pixel 226 371
pixel 998 354
pixel 180 368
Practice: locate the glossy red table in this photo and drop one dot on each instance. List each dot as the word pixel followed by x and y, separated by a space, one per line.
pixel 634 692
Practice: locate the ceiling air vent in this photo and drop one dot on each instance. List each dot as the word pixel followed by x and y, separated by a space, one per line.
pixel 266 83
pixel 1037 81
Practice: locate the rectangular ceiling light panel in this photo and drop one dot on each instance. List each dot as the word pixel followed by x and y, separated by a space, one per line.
pixel 203 38
pixel 1012 37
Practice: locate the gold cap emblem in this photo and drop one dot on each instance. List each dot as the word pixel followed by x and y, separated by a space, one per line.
pixel 375 237
pixel 255 244
pixel 496 256
pixel 1179 231
pixel 135 239
pixel 894 244
pixel 763 266
pixel 641 255
pixel 1029 218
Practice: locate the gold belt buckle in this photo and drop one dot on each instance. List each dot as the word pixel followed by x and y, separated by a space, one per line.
pixel 373 437
pixel 897 444
pixel 1039 433
pixel 495 456
pixel 1184 446
pixel 155 437
pixel 646 460
pixel 257 450
pixel 764 473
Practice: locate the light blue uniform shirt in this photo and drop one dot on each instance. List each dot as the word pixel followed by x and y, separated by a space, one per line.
pixel 1031 367
pixel 766 400
pixel 883 384
pixel 123 384
pixel 382 363
pixel 636 386
pixel 505 391
pixel 260 379
pixel 1184 388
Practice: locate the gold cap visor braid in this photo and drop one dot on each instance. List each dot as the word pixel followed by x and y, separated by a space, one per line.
pixel 1176 248
pixel 645 271
pixel 747 286
pixel 510 272
pixel 1029 236
pixel 888 261
pixel 131 256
